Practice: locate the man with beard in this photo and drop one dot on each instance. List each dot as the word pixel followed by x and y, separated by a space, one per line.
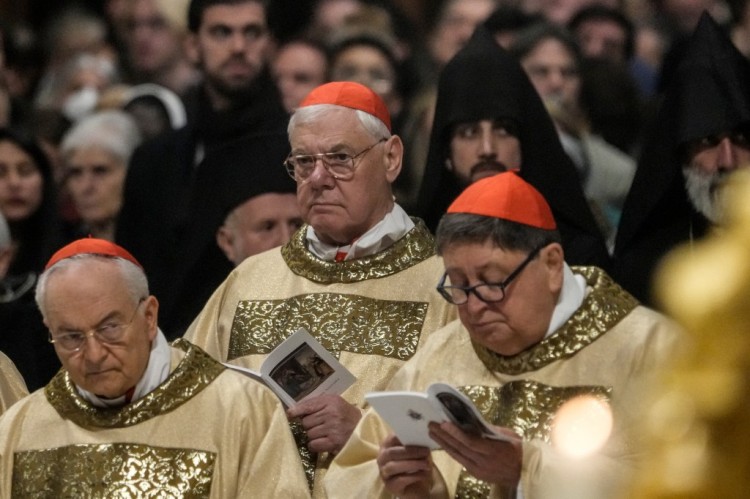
pixel 489 119
pixel 702 134
pixel 168 218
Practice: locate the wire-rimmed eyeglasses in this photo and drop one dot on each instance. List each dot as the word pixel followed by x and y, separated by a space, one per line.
pixel 340 165
pixel 488 292
pixel 107 333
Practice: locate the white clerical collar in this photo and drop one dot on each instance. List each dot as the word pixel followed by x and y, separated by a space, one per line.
pixel 571 297
pixel 156 373
pixel 390 229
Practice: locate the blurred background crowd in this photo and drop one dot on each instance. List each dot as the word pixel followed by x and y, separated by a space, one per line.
pixel 85 84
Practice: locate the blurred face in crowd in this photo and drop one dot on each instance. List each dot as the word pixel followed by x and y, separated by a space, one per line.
pixel 262 222
pixel 710 160
pixel 91 295
pixel 231 47
pixel 369 66
pixel 298 68
pixel 153 45
pixel 342 210
pixel 21 183
pixel 602 39
pixel 553 71
pixel 481 149
pixel 95 179
pixel 523 316
pixel 456 25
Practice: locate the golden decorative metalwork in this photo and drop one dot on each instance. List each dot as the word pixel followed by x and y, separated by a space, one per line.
pixel 696 427
pixel 606 305
pixel 418 245
pixel 112 470
pixel 340 322
pixel 196 371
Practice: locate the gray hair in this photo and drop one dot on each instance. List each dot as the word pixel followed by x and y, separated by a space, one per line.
pixel 307 114
pixel 5 239
pixel 112 131
pixel 134 276
pixel 465 228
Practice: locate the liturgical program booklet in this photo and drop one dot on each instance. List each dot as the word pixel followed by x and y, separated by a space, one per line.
pixel 300 367
pixel 409 413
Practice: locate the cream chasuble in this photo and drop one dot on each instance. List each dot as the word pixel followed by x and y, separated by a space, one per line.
pixel 373 313
pixel 609 348
pixel 204 432
pixel 12 386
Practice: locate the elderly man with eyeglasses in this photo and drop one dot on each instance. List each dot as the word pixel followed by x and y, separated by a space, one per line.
pixel 129 415
pixel 359 276
pixel 553 356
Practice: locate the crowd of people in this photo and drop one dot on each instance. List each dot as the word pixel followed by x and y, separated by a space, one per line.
pixel 479 194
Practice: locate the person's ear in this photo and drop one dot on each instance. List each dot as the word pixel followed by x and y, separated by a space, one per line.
pixel 394 155
pixel 192 49
pixel 151 312
pixel 553 259
pixel 225 241
pixel 448 164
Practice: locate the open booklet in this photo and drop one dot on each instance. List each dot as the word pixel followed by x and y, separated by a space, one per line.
pixel 299 368
pixel 409 413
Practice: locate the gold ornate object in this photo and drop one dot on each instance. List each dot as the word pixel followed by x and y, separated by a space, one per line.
pixel 698 426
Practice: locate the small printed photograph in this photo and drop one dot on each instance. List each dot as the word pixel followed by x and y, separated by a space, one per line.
pixel 460 414
pixel 301 372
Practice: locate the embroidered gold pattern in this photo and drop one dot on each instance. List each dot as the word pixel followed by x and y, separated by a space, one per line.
pixel 416 246
pixel 308 458
pixel 112 471
pixel 340 322
pixel 526 407
pixel 606 305
pixel 194 373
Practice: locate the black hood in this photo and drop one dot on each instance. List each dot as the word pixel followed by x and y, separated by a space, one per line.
pixel 481 82
pixel 707 93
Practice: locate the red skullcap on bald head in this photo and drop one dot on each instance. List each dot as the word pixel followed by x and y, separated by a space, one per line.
pixel 506 196
pixel 352 95
pixel 91 246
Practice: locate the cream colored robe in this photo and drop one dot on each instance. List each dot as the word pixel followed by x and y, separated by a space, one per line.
pixel 610 348
pixel 372 312
pixel 12 386
pixel 205 432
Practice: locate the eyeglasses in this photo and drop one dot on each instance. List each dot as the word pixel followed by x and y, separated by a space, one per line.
pixel 488 292
pixel 339 164
pixel 108 333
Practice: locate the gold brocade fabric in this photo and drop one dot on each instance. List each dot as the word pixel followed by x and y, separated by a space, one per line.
pixel 112 471
pixel 193 374
pixel 417 246
pixel 606 305
pixel 340 322
pixel 526 407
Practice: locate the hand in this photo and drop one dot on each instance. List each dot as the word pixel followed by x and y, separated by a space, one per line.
pixel 405 471
pixel 328 420
pixel 493 461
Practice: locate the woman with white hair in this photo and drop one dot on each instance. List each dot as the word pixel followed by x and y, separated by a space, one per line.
pixel 95 154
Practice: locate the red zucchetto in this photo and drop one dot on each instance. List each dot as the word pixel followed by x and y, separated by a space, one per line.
pixel 506 196
pixel 352 95
pixel 91 245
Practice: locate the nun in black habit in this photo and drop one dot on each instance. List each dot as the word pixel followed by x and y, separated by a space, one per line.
pixel 484 82
pixel 707 94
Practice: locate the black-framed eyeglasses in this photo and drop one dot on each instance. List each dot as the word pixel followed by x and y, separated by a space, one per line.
pixel 109 332
pixel 340 165
pixel 488 292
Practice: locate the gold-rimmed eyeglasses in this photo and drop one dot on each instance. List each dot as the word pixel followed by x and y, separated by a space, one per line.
pixel 109 332
pixel 340 165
